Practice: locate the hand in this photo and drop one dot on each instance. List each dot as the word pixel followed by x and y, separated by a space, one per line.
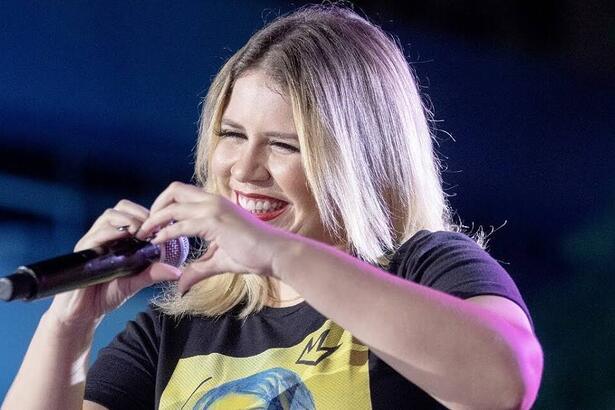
pixel 238 241
pixel 83 307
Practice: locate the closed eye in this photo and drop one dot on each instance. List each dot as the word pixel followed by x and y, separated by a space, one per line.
pixel 284 146
pixel 230 134
pixel 239 135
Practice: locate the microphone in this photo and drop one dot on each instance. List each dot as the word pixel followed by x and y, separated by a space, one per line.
pixel 123 257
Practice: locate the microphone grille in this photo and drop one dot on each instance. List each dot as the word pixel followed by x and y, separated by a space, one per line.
pixel 175 252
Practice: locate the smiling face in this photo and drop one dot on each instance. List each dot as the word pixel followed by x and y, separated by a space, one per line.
pixel 257 161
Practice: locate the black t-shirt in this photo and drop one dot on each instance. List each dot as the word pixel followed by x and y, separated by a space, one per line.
pixel 282 358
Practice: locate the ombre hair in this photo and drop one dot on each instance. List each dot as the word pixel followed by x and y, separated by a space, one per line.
pixel 365 138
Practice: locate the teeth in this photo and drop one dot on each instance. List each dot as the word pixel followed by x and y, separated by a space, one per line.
pixel 259 205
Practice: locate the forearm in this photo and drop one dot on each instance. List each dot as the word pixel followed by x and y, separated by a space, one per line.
pixel 452 349
pixel 52 374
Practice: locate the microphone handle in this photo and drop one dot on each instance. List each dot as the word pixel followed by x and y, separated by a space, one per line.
pixel 124 257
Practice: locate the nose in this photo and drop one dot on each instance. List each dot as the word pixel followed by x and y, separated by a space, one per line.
pixel 250 165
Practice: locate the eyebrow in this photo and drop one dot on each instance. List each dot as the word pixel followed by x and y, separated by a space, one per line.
pixel 272 134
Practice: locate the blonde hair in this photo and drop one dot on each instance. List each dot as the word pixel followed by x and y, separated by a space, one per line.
pixel 365 139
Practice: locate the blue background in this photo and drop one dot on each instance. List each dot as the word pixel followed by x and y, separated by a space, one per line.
pixel 99 101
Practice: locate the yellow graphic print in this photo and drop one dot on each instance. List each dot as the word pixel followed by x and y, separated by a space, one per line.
pixel 327 370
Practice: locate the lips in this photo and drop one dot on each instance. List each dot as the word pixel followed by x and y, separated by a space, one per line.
pixel 267 216
pixel 259 202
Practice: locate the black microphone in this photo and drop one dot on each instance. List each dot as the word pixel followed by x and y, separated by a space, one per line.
pixel 123 257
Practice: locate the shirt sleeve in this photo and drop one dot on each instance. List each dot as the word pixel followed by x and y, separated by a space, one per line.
pixel 123 375
pixel 453 263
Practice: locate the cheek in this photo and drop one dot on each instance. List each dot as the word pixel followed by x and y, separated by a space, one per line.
pixel 291 178
pixel 222 161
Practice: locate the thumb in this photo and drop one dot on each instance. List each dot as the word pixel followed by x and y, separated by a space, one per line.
pixel 157 272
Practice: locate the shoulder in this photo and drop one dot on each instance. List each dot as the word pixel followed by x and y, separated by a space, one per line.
pixel 149 320
pixel 151 328
pixel 453 263
pixel 427 250
pixel 424 240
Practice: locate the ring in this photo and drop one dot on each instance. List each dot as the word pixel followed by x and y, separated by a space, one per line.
pixel 123 228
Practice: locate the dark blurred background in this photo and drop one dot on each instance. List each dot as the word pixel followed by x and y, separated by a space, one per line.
pixel 99 101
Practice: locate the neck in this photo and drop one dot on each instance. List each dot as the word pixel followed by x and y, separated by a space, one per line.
pixel 281 295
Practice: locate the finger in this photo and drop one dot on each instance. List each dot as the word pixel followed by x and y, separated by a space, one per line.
pixel 209 264
pixel 177 192
pixel 161 218
pixel 173 213
pixel 100 236
pixel 157 272
pixel 117 218
pixel 188 227
pixel 194 273
pixel 138 211
pixel 212 247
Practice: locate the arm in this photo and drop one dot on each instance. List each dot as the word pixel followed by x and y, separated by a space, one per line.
pixel 53 372
pixel 54 367
pixel 467 354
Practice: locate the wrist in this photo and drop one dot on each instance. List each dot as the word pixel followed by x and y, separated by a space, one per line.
pixel 70 344
pixel 284 258
pixel 69 329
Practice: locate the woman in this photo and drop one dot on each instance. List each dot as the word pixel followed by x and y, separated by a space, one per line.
pixel 333 276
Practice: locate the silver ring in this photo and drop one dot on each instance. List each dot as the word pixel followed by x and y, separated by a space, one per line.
pixel 123 228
